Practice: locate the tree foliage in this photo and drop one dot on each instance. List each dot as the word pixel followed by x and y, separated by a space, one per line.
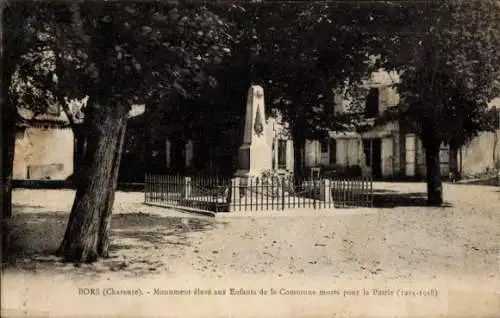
pixel 449 63
pixel 119 54
pixel 298 52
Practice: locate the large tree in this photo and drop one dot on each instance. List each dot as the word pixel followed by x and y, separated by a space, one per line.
pixel 447 57
pixel 449 62
pixel 123 54
pixel 299 52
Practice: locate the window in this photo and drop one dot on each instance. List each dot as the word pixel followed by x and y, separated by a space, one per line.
pixel 338 100
pixel 282 154
pixel 372 103
pixel 333 151
pixel 324 146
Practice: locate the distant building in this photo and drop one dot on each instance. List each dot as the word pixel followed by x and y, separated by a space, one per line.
pixel 45 143
pixel 44 146
pixel 389 151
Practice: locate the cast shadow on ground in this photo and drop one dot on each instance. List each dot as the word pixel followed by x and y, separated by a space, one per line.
pixel 492 182
pixel 32 238
pixel 381 191
pixel 393 199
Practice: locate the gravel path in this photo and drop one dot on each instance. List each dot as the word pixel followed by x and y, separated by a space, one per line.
pixel 456 247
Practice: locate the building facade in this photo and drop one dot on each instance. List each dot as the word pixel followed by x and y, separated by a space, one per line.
pixel 44 148
pixel 388 151
pixel 45 143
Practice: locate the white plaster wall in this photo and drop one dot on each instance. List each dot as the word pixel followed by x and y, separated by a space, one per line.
pixel 289 155
pixel 382 77
pixel 325 157
pixel 342 152
pixel 421 167
pixel 388 98
pixel 482 153
pixel 384 96
pixel 39 146
pixel 352 151
pixel 312 153
pixel 397 151
pixel 410 155
pixel 348 152
pixel 387 157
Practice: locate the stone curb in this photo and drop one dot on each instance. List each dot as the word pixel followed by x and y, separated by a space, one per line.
pixel 184 209
pixel 272 213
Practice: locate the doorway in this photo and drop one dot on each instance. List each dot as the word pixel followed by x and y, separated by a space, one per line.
pixel 372 149
pixel 178 159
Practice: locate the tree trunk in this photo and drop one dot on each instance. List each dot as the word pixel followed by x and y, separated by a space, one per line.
pixel 103 129
pixel 434 186
pixel 496 161
pixel 8 149
pixel 78 153
pixel 9 118
pixel 103 247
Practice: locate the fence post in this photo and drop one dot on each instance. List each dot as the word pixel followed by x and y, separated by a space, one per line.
pixel 187 188
pixel 235 191
pixel 282 194
pixel 325 191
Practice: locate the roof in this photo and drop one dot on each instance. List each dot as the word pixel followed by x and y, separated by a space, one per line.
pixel 43 123
pixel 54 115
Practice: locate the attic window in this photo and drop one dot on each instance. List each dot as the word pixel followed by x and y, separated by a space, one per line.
pixel 372 103
pixel 324 145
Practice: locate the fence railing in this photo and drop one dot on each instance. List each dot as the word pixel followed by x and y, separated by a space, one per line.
pixel 257 193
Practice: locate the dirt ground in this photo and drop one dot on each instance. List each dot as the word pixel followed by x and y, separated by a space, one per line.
pixel 399 242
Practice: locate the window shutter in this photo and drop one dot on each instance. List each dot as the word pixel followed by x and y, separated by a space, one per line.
pixel 338 101
pixel 384 100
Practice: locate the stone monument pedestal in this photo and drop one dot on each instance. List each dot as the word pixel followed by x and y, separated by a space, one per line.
pixel 255 153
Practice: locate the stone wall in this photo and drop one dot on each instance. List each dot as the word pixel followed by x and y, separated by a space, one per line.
pixel 44 153
pixel 481 154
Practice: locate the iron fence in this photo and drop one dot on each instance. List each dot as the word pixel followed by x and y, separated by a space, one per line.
pixel 220 194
